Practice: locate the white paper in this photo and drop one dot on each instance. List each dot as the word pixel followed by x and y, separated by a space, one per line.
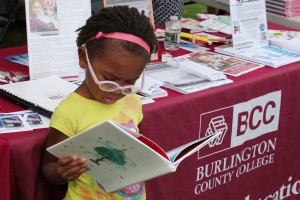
pixel 53 51
pixel 249 24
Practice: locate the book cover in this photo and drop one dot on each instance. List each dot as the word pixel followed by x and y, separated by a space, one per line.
pixel 41 95
pixel 119 157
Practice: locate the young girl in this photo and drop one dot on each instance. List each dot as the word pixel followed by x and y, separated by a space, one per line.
pixel 113 47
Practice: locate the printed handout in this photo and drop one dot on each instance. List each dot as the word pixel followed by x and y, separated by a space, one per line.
pixel 22 121
pixel 51 37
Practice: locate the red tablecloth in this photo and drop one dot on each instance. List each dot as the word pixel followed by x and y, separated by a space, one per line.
pixel 258 158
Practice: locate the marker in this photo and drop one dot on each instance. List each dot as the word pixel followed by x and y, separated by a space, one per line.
pixel 202 38
pixel 195 37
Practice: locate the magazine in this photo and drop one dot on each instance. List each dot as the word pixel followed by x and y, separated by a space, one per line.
pixel 119 157
pixel 228 65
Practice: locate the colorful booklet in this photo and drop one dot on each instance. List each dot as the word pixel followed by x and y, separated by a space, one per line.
pixel 119 157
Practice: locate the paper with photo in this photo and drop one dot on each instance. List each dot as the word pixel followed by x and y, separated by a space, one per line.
pixel 249 24
pixel 51 36
pixel 13 123
pixel 33 119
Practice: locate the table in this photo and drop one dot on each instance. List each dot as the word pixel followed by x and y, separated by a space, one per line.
pixel 292 22
pixel 258 157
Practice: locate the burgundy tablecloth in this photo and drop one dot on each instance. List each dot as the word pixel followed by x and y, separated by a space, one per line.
pixel 258 158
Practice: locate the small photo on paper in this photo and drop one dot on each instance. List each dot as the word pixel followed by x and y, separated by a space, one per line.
pixel 236 27
pixel 12 122
pixel 34 119
pixel 43 17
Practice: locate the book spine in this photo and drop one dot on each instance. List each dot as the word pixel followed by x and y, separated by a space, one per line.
pixel 282 13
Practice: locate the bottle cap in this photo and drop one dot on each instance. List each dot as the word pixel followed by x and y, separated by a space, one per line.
pixel 173 18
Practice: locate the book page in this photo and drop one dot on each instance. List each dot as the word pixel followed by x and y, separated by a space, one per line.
pixel 51 36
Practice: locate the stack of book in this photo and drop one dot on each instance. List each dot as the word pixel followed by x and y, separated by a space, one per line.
pixel 286 8
pixel 289 40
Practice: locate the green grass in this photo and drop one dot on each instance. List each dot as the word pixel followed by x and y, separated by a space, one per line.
pixel 16 32
pixel 191 10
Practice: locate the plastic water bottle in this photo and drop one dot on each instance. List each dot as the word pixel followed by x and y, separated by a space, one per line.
pixel 172 34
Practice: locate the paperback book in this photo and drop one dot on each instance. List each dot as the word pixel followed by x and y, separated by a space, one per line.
pixel 119 157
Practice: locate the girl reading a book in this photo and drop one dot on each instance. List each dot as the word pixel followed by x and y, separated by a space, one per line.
pixel 114 47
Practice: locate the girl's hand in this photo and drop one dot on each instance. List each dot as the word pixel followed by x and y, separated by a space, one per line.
pixel 71 167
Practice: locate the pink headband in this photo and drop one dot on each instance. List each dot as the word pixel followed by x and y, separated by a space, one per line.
pixel 125 37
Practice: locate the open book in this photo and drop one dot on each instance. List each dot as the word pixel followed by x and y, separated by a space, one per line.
pixel 119 157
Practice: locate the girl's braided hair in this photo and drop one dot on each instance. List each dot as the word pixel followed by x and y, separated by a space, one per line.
pixel 117 19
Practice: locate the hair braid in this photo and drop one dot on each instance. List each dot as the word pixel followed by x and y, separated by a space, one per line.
pixel 117 19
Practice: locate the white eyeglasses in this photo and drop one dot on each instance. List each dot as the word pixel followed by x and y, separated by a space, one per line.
pixel 111 86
